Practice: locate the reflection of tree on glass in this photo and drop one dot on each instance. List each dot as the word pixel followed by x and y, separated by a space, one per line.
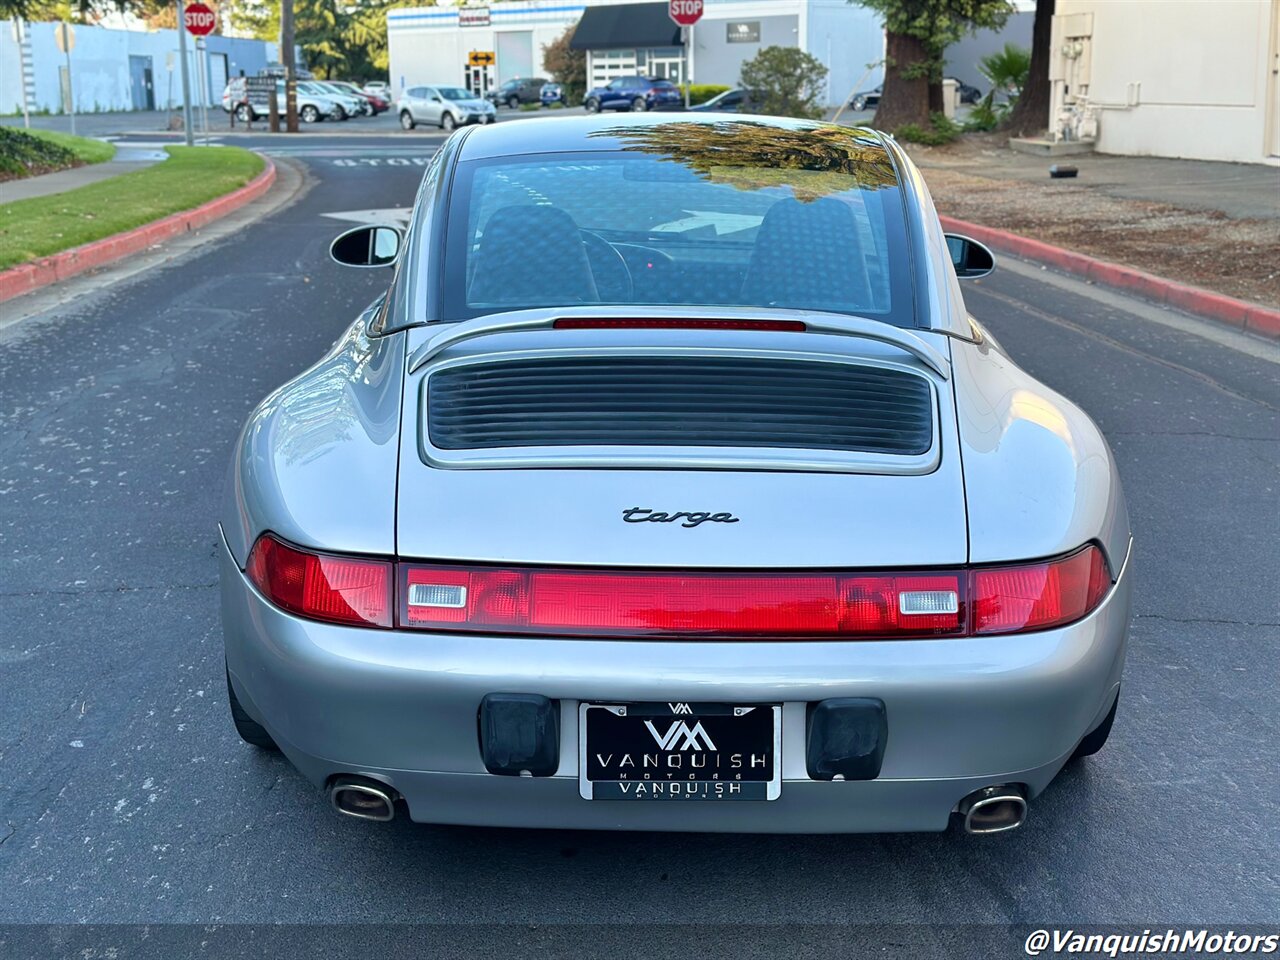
pixel 751 155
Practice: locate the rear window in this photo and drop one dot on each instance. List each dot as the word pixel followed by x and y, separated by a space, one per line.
pixel 663 85
pixel 730 214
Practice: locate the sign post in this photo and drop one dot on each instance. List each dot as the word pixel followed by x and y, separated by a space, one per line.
pixel 686 13
pixel 65 39
pixel 186 75
pixel 199 21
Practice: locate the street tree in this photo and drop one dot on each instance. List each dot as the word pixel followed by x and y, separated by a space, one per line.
pixel 790 82
pixel 1030 115
pixel 917 34
pixel 568 67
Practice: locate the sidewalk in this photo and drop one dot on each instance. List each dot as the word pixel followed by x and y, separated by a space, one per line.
pixel 126 160
pixel 1193 222
pixel 103 124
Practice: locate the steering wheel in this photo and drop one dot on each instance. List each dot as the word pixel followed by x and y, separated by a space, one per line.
pixel 609 268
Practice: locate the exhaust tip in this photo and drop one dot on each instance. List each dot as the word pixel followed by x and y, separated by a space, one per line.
pixel 994 809
pixel 362 798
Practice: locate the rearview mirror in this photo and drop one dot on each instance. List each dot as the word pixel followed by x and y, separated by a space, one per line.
pixel 970 258
pixel 367 246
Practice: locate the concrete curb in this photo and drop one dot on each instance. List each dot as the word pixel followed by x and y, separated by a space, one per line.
pixel 1240 314
pixel 27 277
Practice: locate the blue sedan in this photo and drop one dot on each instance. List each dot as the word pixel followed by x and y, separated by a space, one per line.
pixel 634 93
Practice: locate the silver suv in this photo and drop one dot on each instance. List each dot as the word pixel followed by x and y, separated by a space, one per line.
pixel 442 106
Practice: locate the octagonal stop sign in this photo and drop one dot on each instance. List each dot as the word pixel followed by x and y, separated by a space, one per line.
pixel 685 12
pixel 199 19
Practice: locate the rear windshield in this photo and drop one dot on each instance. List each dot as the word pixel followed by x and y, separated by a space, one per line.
pixel 663 85
pixel 684 214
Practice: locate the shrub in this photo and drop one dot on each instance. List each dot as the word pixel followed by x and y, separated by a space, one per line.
pixel 941 130
pixel 702 92
pixel 790 82
pixel 22 155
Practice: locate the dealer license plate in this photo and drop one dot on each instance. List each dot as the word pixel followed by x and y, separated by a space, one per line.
pixel 679 751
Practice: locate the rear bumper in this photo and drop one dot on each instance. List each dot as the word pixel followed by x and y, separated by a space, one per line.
pixel 402 708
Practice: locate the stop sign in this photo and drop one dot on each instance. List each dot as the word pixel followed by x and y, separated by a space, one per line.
pixel 685 12
pixel 199 19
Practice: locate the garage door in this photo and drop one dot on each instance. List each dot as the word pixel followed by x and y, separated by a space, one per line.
pixel 515 54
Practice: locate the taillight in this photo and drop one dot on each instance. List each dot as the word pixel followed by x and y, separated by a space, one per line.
pixel 322 587
pixel 618 603
pixel 566 602
pixel 1038 596
pixel 675 323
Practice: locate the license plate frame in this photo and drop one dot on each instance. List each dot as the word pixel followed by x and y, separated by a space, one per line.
pixel 679 729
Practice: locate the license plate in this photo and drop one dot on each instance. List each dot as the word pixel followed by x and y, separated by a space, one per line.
pixel 679 751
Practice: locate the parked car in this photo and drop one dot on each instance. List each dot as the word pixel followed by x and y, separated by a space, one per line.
pixel 443 106
pixel 966 93
pixel 312 107
pixel 517 91
pixel 552 93
pixel 675 489
pixel 377 104
pixel 731 101
pixel 634 93
pixel 379 88
pixel 346 104
pixel 866 100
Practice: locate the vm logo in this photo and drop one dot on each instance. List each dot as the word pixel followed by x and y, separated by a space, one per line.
pixel 688 738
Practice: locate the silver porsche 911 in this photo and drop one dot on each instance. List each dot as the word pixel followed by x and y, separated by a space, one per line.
pixel 670 486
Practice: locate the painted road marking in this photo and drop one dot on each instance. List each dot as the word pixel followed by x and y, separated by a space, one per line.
pixel 397 216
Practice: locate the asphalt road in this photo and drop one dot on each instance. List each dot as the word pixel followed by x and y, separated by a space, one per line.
pixel 126 797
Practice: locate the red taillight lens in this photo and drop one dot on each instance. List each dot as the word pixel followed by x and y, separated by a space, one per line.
pixel 570 602
pixel 320 587
pixel 1040 595
pixel 675 323
pixel 1011 599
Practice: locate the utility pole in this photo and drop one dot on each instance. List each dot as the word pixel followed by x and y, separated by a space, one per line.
pixel 186 77
pixel 286 58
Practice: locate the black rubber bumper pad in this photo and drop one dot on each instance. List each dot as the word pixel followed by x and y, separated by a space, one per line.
pixel 519 732
pixel 846 738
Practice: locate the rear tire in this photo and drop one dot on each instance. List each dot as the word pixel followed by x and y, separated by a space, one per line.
pixel 249 729
pixel 638 105
pixel 858 104
pixel 513 103
pixel 593 105
pixel 309 114
pixel 406 120
pixel 1097 738
pixel 244 113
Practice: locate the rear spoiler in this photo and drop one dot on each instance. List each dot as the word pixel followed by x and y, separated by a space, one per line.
pixel 523 321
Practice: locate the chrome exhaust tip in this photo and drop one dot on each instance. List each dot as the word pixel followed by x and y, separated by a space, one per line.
pixel 993 809
pixel 362 798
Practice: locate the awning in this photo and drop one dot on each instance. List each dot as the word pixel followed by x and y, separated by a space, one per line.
pixel 625 25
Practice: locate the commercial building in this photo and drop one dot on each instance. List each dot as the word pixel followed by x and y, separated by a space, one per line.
pixel 1197 79
pixel 117 69
pixel 484 45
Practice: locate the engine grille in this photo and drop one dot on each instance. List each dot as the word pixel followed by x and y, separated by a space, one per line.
pixel 680 402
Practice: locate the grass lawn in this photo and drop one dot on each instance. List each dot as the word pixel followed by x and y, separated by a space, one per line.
pixel 86 150
pixel 191 176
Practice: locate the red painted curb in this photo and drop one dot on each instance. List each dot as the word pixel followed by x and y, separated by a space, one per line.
pixel 27 277
pixel 1204 303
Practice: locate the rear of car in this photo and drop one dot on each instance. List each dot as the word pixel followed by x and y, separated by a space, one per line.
pixel 686 508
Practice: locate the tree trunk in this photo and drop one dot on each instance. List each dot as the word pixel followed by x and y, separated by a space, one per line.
pixel 904 99
pixel 935 97
pixel 1030 115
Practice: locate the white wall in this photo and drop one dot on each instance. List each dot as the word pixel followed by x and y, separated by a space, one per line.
pixel 100 66
pixel 850 40
pixel 1203 70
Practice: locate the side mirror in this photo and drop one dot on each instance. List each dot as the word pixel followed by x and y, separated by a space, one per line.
pixel 970 258
pixel 367 246
pixel 435 100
